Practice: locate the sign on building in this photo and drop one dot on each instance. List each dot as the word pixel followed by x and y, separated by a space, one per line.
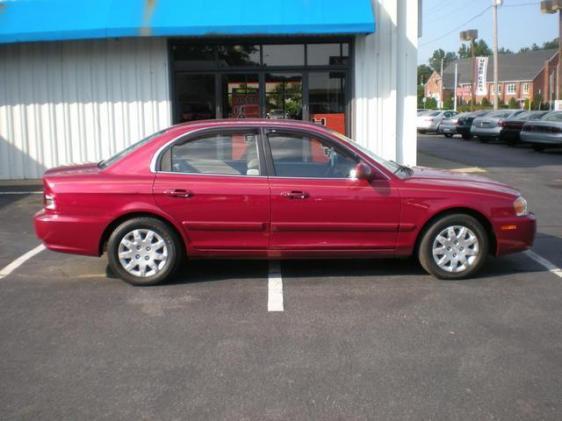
pixel 481 76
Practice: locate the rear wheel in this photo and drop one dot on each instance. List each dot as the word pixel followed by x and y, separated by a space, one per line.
pixel 454 247
pixel 483 139
pixel 144 251
pixel 466 136
pixel 537 147
pixel 448 135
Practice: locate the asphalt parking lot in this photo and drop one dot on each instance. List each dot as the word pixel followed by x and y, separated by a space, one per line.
pixel 355 340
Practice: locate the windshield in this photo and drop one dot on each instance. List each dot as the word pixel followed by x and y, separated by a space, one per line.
pixel 107 162
pixel 400 170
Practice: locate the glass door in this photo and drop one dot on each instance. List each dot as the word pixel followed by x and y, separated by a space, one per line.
pixel 195 96
pixel 240 95
pixel 283 95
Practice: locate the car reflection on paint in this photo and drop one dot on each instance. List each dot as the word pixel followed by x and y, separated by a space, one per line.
pixel 273 189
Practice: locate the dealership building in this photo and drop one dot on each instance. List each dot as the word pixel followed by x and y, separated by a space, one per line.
pixel 81 80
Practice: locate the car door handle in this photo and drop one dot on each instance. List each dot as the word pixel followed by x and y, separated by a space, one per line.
pixel 182 193
pixel 299 195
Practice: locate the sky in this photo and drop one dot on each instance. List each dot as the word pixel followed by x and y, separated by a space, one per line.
pixel 520 24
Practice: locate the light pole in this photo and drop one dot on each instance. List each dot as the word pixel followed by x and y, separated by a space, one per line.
pixel 495 4
pixel 554 6
pixel 471 35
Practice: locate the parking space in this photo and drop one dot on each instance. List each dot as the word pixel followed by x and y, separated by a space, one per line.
pixel 355 340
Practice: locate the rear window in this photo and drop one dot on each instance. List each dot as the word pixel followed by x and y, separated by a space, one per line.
pixel 122 154
pixel 500 114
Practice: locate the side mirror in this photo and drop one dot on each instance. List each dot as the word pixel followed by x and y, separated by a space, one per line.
pixel 363 172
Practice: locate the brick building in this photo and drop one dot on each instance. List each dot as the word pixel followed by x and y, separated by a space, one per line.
pixel 530 75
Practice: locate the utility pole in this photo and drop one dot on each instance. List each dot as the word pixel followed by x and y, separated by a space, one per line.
pixel 495 4
pixel 441 93
pixel 455 85
pixel 554 6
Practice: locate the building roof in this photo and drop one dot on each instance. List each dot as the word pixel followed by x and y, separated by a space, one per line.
pixel 511 67
pixel 52 20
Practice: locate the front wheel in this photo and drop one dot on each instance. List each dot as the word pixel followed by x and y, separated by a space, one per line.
pixel 454 247
pixel 144 251
pixel 466 136
pixel 448 135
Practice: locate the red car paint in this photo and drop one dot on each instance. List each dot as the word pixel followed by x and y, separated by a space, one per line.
pixel 231 216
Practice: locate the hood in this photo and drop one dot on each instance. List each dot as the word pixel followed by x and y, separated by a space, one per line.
pixel 76 169
pixel 460 180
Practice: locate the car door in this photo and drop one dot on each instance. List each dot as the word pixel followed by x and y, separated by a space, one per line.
pixel 212 185
pixel 317 204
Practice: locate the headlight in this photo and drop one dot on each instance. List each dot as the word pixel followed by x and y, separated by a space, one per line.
pixel 520 206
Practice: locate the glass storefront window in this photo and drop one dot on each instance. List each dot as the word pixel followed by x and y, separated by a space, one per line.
pixel 238 55
pixel 196 56
pixel 240 95
pixel 327 99
pixel 283 55
pixel 195 95
pixel 327 54
pixel 283 96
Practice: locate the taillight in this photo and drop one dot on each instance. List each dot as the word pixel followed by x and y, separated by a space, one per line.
pixel 49 201
pixel 500 123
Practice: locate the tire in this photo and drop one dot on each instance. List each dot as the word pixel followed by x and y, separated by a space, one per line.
pixel 165 260
pixel 448 135
pixel 511 142
pixel 483 139
pixel 473 229
pixel 537 147
pixel 466 136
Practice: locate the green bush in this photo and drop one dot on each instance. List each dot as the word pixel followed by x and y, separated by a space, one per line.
pixel 513 103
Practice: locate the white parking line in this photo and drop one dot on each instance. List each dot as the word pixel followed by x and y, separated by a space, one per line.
pixel 275 288
pixel 20 261
pixel 19 192
pixel 551 267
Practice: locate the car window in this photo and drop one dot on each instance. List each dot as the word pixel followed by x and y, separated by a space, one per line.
pixel 553 117
pixel 122 154
pixel 500 114
pixel 435 113
pixel 302 156
pixel 217 154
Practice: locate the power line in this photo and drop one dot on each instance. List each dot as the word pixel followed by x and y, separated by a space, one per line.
pixel 456 28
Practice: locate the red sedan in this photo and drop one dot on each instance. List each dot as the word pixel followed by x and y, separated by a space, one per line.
pixel 273 189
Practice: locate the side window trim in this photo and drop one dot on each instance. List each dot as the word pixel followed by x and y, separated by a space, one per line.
pixel 301 133
pixel 163 155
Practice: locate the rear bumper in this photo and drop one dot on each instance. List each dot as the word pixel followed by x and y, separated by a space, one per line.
pixel 483 131
pixel 67 235
pixel 448 129
pixel 514 234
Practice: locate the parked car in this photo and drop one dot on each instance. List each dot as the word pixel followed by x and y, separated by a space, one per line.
pixel 448 126
pixel 511 127
pixel 489 126
pixel 273 189
pixel 429 122
pixel 464 123
pixel 543 133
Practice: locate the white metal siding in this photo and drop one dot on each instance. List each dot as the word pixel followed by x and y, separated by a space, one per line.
pixel 384 105
pixel 70 102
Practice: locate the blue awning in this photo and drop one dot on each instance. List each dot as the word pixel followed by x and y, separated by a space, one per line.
pixel 51 20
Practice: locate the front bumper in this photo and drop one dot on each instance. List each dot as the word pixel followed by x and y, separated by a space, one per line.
pixel 515 233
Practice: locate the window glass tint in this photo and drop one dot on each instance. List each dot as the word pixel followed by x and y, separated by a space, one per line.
pixel 301 156
pixel 195 96
pixel 238 55
pixel 325 54
pixel 223 154
pixel 128 150
pixel 198 56
pixel 283 55
pixel 501 114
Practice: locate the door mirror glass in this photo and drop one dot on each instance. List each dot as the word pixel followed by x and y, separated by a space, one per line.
pixel 363 172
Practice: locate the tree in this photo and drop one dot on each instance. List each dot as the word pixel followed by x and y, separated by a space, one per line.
pixel 424 73
pixel 513 104
pixel 550 45
pixel 449 103
pixel 480 49
pixel 504 51
pixel 438 55
pixel 485 102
